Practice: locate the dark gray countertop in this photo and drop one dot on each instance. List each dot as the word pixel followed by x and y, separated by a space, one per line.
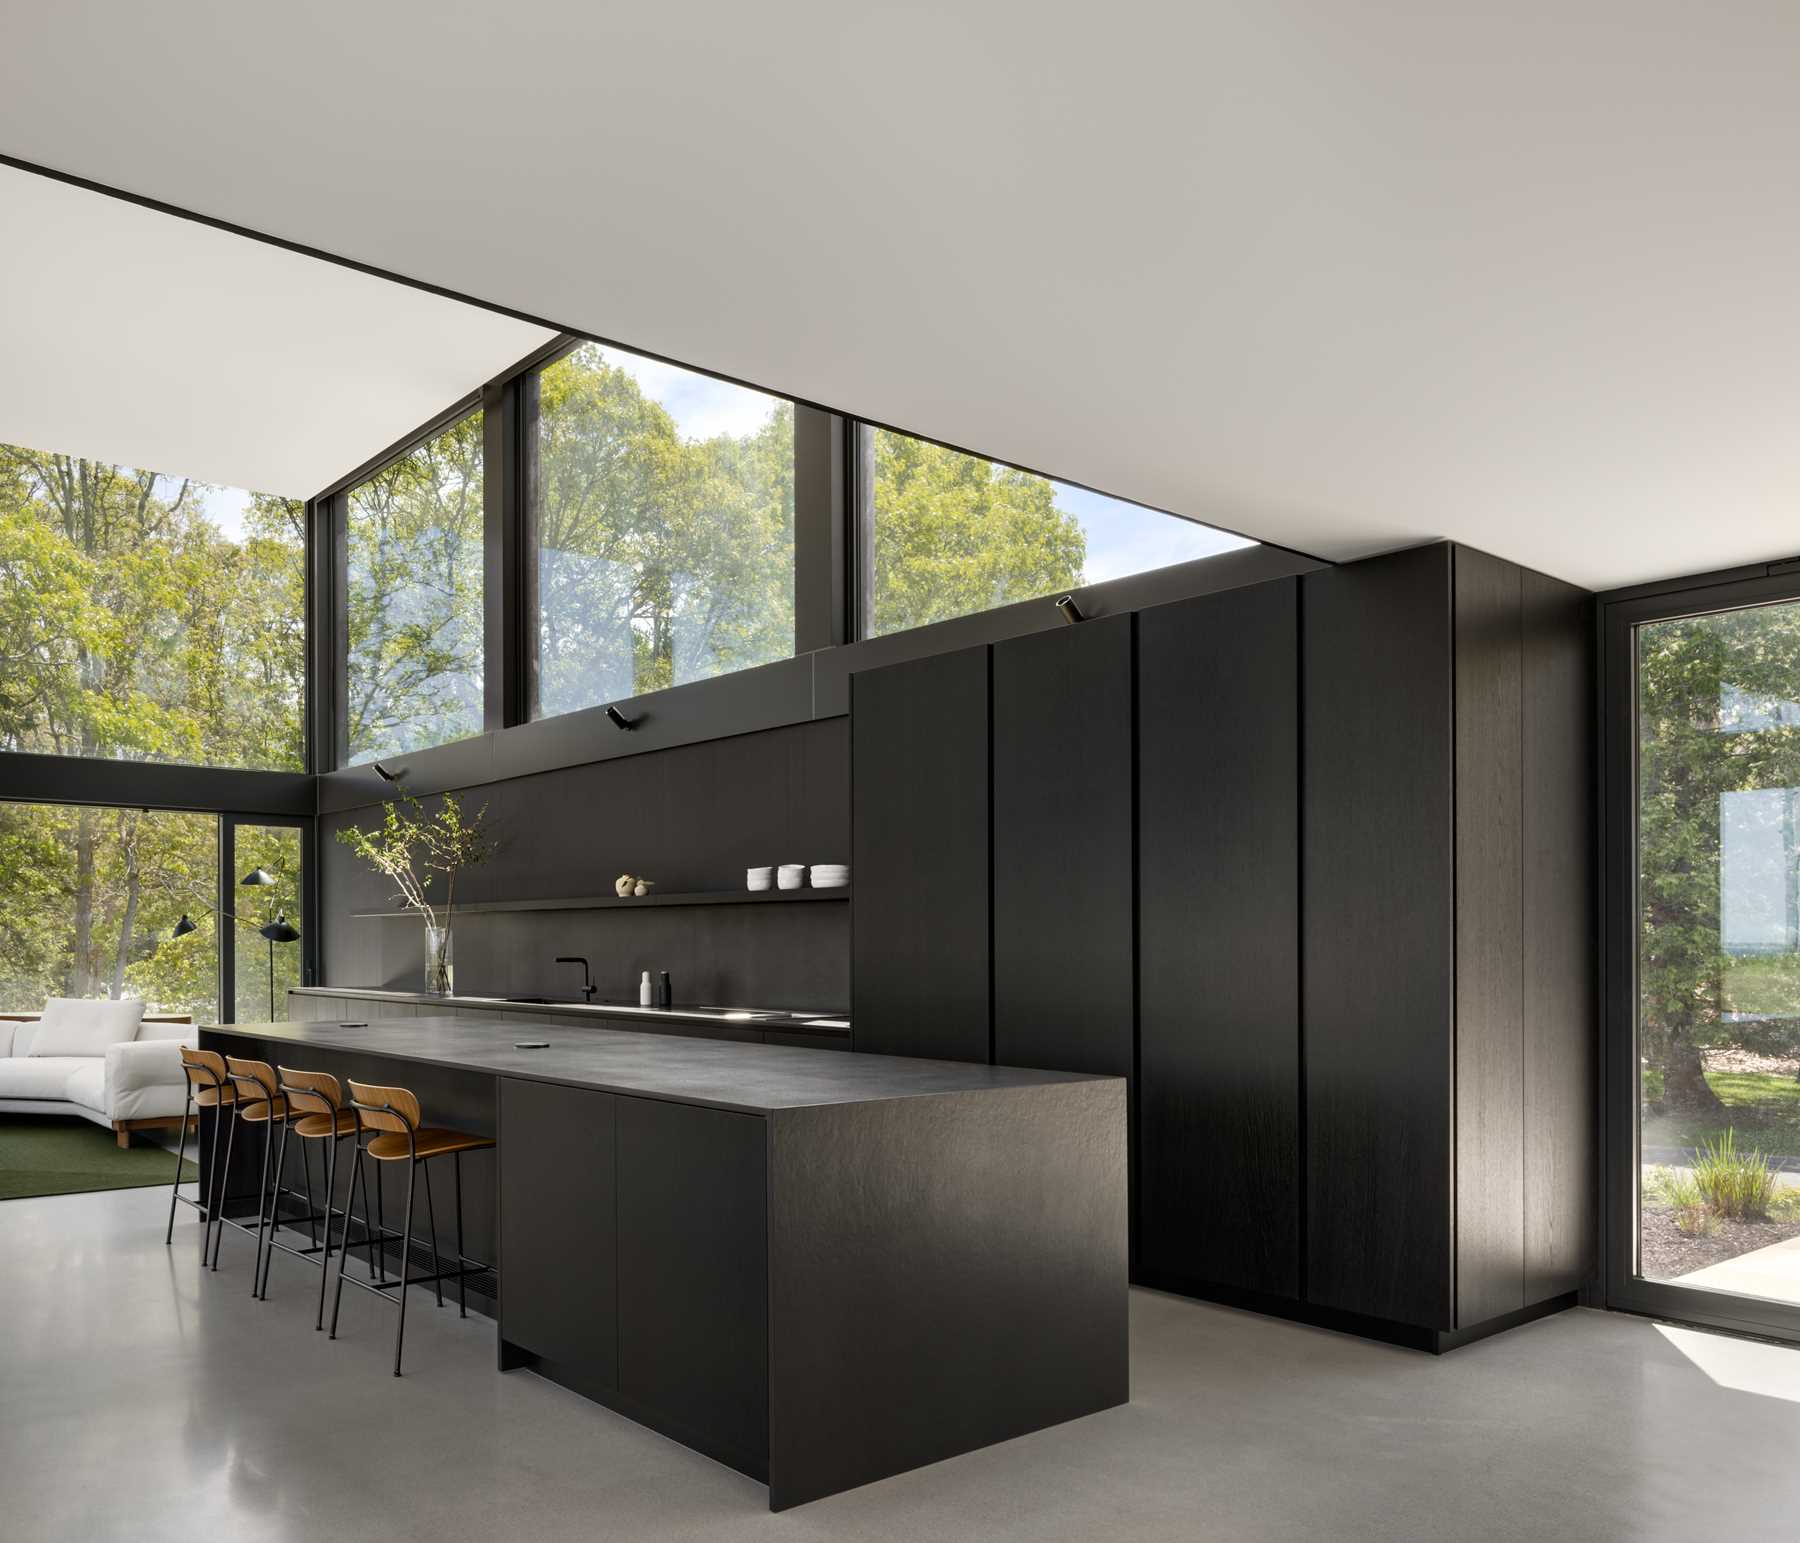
pixel 755 1079
pixel 828 1025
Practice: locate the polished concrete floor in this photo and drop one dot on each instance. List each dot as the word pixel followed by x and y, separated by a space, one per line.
pixel 140 1401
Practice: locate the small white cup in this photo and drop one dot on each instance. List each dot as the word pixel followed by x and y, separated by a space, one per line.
pixel 758 878
pixel 791 875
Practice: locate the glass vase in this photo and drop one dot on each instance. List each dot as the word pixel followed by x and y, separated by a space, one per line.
pixel 440 962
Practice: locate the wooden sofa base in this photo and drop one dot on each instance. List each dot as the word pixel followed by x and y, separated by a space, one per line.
pixel 124 1128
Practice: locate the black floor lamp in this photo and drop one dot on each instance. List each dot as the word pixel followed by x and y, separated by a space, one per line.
pixel 277 931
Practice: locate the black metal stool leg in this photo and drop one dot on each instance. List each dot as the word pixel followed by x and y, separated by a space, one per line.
pixel 462 1264
pixel 180 1158
pixel 412 1170
pixel 329 1163
pixel 437 1264
pixel 312 1206
pixel 223 1187
pixel 380 1219
pixel 259 1273
pixel 337 1300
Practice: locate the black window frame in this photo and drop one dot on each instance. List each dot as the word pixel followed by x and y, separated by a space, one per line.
pixel 1619 614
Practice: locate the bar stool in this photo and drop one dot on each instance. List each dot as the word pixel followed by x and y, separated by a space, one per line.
pixel 208 1087
pixel 315 1112
pixel 390 1129
pixel 259 1102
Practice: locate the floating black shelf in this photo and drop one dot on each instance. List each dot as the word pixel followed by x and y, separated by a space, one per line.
pixel 613 902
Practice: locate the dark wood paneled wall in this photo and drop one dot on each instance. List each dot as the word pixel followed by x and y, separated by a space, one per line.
pixel 1063 977
pixel 691 818
pixel 920 955
pixel 1377 815
pixel 1561 988
pixel 1219 936
pixel 1490 1132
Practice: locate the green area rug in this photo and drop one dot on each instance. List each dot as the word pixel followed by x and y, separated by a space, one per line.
pixel 46 1154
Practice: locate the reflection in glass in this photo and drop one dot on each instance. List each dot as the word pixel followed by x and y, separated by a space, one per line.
pixel 275 850
pixel 953 534
pixel 1718 850
pixel 147 617
pixel 663 508
pixel 89 900
pixel 414 533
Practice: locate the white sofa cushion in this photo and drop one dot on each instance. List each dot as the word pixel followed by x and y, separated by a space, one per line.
pixel 87 1085
pixel 6 1037
pixel 150 1029
pixel 73 1026
pixel 41 1076
pixel 143 1080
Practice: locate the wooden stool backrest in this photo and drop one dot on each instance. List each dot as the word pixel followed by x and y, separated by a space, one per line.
pixel 255 1079
pixel 380 1108
pixel 204 1068
pixel 310 1092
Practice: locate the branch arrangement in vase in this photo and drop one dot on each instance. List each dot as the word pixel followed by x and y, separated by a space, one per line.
pixel 414 850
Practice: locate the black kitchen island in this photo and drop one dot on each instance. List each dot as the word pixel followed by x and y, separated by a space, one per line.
pixel 819 1268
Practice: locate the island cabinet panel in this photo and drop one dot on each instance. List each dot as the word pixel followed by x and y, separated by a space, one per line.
pixel 920 858
pixel 1062 835
pixel 1377 944
pixel 693 1225
pixel 1219 929
pixel 557 1228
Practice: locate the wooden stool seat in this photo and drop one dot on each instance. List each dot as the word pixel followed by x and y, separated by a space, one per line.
pixel 211 1098
pixel 314 1126
pixel 263 1109
pixel 429 1141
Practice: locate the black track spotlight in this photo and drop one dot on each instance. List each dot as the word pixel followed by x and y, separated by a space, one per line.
pixel 383 773
pixel 619 720
pixel 1071 612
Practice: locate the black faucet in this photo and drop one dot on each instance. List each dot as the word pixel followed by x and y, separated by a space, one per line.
pixel 587 979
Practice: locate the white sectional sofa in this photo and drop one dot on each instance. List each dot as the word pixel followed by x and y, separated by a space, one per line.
pixel 103 1061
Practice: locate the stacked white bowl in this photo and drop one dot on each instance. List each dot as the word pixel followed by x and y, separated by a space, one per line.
pixel 830 875
pixel 758 878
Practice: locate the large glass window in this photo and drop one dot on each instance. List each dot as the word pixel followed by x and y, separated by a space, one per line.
pixel 147 617
pixel 414 534
pixel 1718 950
pixel 662 503
pixel 952 534
pixel 89 900
pixel 267 943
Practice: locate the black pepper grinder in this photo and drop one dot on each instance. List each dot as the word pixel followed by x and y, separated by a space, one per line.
pixel 665 993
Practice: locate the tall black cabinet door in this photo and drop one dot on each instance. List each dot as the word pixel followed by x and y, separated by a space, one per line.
pixel 919 857
pixel 1377 936
pixel 1062 849
pixel 1219 939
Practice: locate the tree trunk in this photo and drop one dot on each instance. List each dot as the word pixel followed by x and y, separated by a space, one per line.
pixel 81 974
pixel 1684 1082
pixel 122 955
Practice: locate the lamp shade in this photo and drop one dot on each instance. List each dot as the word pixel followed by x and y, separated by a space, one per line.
pixel 256 876
pixel 184 926
pixel 278 931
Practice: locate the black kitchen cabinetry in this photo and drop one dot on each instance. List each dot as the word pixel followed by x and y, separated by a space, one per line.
pixel 1219 912
pixel 1447 886
pixel 919 830
pixel 1062 841
pixel 1364 1032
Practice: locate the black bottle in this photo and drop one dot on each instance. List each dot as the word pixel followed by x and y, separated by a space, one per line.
pixel 665 994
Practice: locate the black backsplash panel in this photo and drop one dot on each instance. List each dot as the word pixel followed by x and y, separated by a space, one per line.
pixel 691 818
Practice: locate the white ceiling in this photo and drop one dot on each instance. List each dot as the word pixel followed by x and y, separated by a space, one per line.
pixel 1344 275
pixel 130 336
